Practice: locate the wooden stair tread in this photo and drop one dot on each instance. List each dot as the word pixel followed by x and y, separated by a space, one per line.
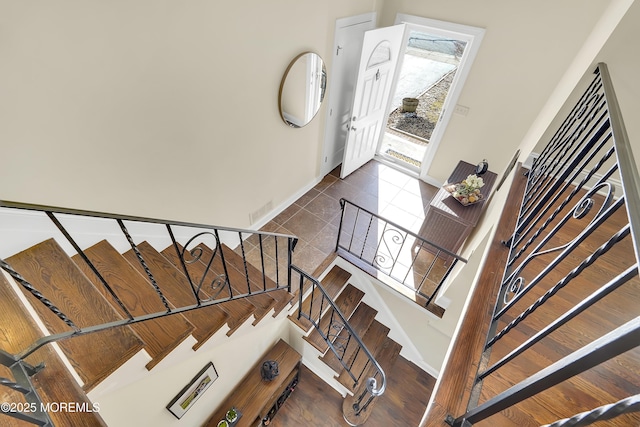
pixel 332 283
pixel 330 324
pixel 240 282
pixel 360 321
pixel 407 395
pixel 19 330
pixel 259 281
pixel 386 357
pixel 206 321
pixel 238 310
pixel 54 383
pixel 160 335
pixel 53 273
pixel 373 339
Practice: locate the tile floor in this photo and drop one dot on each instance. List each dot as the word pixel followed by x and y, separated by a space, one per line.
pixel 314 218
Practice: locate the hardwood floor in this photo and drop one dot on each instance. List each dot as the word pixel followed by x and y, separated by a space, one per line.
pixel 314 403
pixel 606 383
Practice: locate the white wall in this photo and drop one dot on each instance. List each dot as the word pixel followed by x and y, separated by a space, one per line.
pixel 143 403
pixel 122 106
pixel 157 108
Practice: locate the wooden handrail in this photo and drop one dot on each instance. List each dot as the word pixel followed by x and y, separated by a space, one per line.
pixel 453 387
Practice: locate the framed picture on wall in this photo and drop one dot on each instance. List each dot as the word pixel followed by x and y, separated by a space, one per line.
pixel 192 391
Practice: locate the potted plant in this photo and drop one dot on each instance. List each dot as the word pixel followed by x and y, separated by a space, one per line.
pixel 409 105
pixel 232 415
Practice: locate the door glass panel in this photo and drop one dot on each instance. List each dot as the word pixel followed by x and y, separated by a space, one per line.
pixel 429 66
pixel 380 55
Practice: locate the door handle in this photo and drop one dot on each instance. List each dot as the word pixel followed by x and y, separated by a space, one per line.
pixel 353 129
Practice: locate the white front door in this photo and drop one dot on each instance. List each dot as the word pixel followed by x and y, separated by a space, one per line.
pixel 380 52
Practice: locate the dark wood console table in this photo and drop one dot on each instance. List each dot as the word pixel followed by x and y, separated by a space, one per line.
pixel 256 399
pixel 448 223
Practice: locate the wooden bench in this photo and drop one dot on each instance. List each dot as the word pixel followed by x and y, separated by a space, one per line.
pixel 256 399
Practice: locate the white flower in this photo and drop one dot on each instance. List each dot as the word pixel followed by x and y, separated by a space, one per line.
pixel 474 182
pixel 469 185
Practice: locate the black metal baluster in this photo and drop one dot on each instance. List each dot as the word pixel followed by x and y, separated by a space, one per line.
pixel 89 263
pixel 185 270
pixel 37 294
pixel 244 262
pixel 264 272
pixel 144 265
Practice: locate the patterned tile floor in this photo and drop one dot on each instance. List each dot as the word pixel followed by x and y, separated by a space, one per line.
pixel 314 218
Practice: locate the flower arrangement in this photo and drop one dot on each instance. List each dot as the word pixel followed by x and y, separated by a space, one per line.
pixel 468 190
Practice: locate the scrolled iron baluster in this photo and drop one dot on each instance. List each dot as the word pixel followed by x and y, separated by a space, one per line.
pixel 371 384
pixel 583 208
pixel 196 254
pixel 513 289
pixel 381 260
pixel 394 237
pixel 594 87
pixel 38 295
pixel 621 234
pixel 564 203
pixel 219 281
pixel 213 288
pixel 606 209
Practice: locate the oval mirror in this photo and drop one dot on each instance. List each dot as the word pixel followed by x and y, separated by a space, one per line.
pixel 302 89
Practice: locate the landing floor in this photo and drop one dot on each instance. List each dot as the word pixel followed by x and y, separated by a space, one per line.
pixel 314 403
pixel 315 216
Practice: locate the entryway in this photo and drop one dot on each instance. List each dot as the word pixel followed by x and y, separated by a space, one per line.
pixel 428 69
pixel 351 123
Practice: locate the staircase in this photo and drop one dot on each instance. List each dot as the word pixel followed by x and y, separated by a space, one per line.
pixel 102 303
pixel 111 304
pixel 54 383
pixel 325 330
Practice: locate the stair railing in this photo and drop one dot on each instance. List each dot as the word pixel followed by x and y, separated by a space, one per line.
pixel 271 254
pixel 420 266
pixel 32 410
pixel 341 339
pixel 571 223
